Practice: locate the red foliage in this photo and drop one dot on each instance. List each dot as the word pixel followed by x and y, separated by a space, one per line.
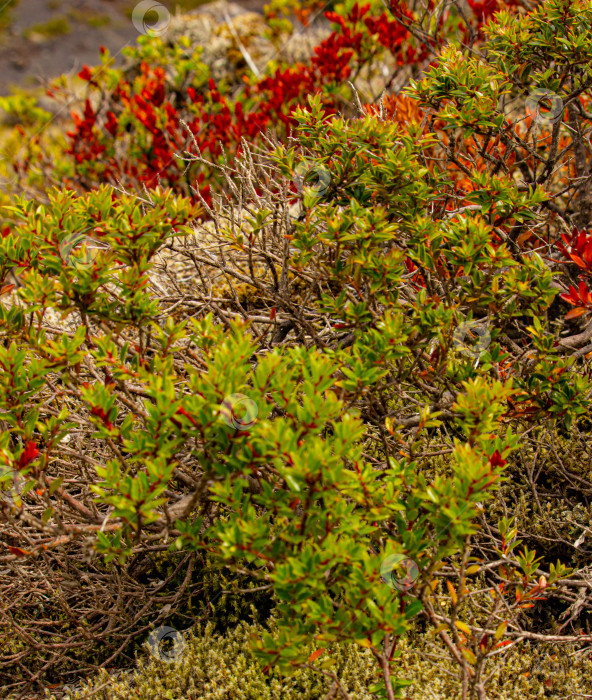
pixel 214 122
pixel 484 9
pixel 100 413
pixel 30 453
pixel 577 248
pixel 85 134
pixel 581 298
pixel 496 460
pixel 580 249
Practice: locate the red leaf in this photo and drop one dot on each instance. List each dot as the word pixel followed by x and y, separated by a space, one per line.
pixel 496 460
pixel 578 297
pixel 18 551
pixel 85 73
pixel 183 412
pixel 100 413
pixel 28 455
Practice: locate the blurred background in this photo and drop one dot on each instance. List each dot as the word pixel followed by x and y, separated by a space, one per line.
pixel 40 39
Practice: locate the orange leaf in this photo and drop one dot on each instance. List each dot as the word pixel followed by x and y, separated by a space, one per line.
pixel 578 261
pixel 18 551
pixel 452 592
pixel 315 655
pixel 503 644
pixel 574 313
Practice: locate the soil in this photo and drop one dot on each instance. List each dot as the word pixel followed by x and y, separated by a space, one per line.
pixel 42 39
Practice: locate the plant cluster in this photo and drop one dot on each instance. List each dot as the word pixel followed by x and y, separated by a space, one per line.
pixel 141 125
pixel 339 371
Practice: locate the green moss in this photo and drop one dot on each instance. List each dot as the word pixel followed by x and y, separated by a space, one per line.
pixel 188 5
pixel 92 19
pixel 5 10
pixel 56 26
pixel 211 666
pixel 172 6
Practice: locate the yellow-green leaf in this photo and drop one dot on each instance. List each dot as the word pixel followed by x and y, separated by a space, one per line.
pixel 500 631
pixel 469 656
pixel 462 626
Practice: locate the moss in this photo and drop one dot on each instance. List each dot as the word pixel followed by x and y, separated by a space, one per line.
pixel 92 19
pixel 172 6
pixel 188 5
pixel 56 26
pixel 212 666
pixel 216 667
pixel 5 10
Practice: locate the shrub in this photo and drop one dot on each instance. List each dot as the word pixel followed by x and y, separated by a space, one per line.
pixel 322 379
